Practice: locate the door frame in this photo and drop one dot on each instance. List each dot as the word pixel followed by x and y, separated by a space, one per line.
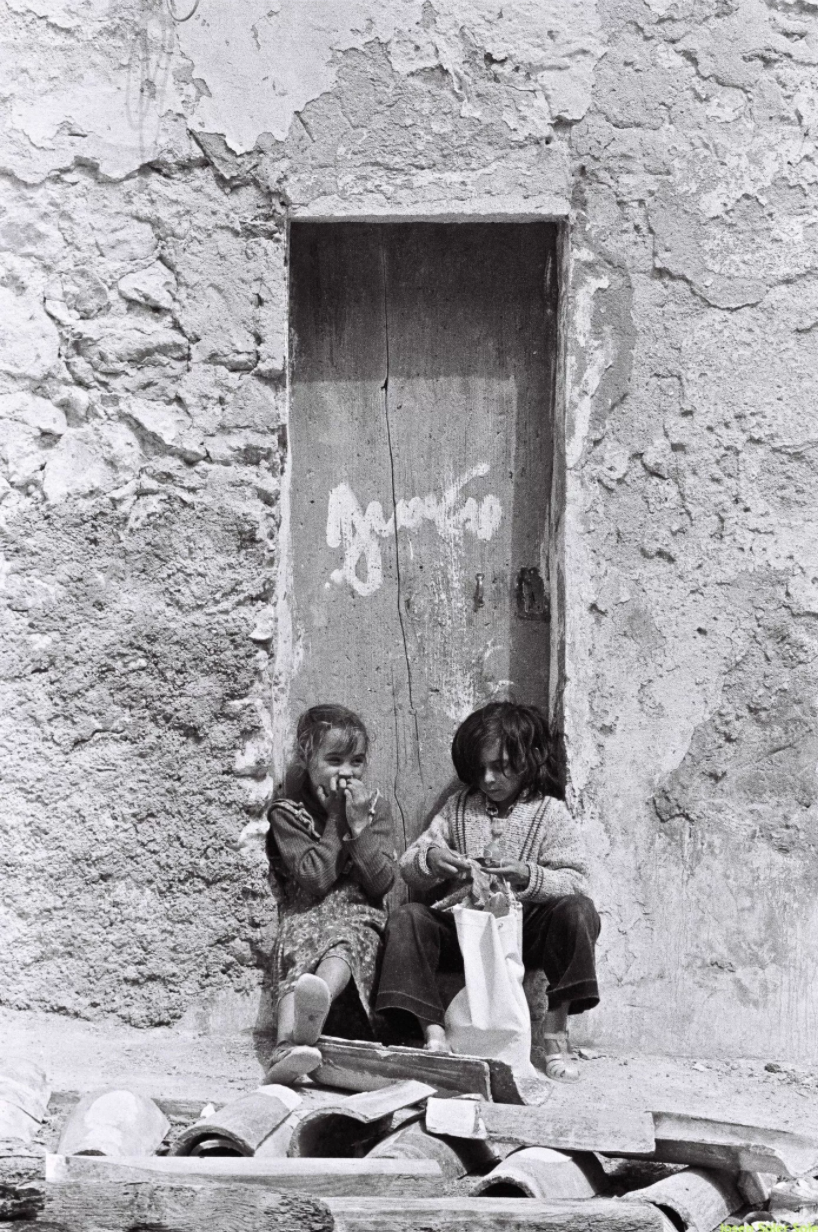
pixel 287 650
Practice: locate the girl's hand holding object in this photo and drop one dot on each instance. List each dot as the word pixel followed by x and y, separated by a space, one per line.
pixel 515 871
pixel 446 863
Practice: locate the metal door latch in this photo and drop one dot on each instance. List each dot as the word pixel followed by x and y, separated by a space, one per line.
pixel 532 601
pixel 479 601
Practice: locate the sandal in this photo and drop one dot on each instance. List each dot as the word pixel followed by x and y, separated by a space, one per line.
pixel 290 1061
pixel 312 1002
pixel 559 1066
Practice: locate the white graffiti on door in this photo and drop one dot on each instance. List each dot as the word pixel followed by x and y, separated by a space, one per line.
pixel 358 531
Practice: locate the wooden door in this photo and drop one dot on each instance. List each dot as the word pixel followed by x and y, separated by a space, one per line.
pixel 422 391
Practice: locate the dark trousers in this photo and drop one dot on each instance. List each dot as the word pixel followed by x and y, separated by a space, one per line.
pixel 558 938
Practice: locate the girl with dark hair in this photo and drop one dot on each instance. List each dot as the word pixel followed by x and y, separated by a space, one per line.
pixel 331 856
pixel 507 818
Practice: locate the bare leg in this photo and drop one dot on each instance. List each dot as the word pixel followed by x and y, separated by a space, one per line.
pixel 335 974
pixel 435 1037
pixel 555 1022
pixel 301 1017
pixel 286 1017
pixel 558 1063
pixel 289 1060
pixel 314 994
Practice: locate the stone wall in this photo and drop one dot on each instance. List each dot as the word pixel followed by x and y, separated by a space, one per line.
pixel 149 166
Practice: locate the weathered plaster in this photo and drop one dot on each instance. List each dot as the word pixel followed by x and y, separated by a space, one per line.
pixel 690 523
pixel 149 168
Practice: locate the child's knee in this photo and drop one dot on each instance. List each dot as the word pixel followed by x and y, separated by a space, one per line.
pixel 577 911
pixel 409 917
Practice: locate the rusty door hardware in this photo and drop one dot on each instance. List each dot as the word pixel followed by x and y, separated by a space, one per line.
pixel 479 601
pixel 532 601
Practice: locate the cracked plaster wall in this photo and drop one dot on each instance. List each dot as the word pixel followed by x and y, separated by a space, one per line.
pixel 148 170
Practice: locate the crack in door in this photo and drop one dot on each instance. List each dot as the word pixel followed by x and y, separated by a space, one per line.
pixel 398 574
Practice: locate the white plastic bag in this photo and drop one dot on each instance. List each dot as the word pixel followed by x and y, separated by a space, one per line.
pixel 490 1016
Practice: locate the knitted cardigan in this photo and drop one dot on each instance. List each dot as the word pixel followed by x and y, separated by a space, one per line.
pixel 305 850
pixel 539 831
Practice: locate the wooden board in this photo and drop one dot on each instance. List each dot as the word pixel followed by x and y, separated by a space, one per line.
pixel 148 1206
pixel 357 1065
pixel 422 380
pixel 22 1180
pixel 495 1215
pixel 707 1143
pixel 568 1127
pixel 365 1177
pixel 372 1105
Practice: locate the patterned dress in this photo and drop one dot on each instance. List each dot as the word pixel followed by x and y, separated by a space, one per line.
pixel 330 887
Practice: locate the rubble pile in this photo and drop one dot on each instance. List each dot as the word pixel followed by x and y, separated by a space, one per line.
pixel 388 1138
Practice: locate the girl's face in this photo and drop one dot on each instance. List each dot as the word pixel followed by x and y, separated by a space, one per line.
pixel 496 779
pixel 335 758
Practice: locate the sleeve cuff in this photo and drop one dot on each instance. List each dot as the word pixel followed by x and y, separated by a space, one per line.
pixel 362 840
pixel 531 889
pixel 423 859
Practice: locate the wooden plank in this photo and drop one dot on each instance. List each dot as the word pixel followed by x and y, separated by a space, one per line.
pixel 114 1122
pixel 340 451
pixel 494 1215
pixel 469 410
pixel 701 1199
pixel 701 1141
pixel 576 1127
pixel 188 1207
pixel 22 1180
pixel 510 1088
pixel 421 435
pixel 357 1065
pixel 323 1177
pixel 372 1105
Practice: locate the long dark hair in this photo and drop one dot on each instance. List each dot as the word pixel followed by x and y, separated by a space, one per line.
pixel 525 738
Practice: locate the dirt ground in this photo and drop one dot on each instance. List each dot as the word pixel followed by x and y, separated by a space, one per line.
pixel 171 1063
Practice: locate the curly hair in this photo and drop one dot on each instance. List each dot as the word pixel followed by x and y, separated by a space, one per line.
pixel 525 738
pixel 316 723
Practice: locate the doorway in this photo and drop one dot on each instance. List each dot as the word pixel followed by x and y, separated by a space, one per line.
pixel 423 375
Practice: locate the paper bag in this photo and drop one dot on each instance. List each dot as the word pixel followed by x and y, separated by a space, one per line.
pixel 490 1017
